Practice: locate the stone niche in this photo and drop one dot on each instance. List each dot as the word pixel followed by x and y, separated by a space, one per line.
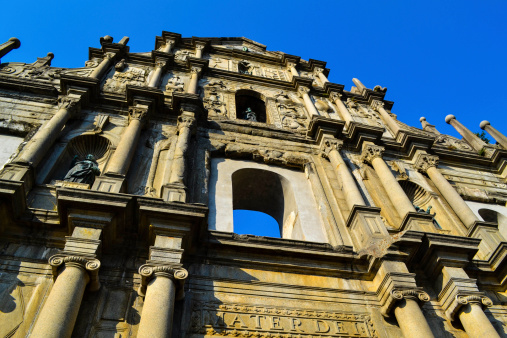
pixel 285 194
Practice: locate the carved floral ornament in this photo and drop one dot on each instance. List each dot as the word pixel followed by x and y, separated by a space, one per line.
pixel 425 161
pixel 137 113
pixel 371 152
pixel 376 105
pixel 69 103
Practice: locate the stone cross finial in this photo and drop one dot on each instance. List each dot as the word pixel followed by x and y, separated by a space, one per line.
pixel 425 161
pixel 370 152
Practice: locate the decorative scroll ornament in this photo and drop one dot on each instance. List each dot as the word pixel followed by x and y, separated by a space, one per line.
pixel 463 300
pixel 150 271
pixel 410 294
pixel 425 161
pixel 371 152
pixel 330 144
pixel 91 265
pixel 452 143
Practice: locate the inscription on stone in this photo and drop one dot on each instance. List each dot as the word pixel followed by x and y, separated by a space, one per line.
pixel 217 319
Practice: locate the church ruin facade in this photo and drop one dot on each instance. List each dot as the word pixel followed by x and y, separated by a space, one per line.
pixel 120 180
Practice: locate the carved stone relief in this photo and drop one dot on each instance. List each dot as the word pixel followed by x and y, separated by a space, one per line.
pixel 132 76
pixel 182 55
pixel 452 143
pixel 214 99
pixel 291 117
pixel 174 84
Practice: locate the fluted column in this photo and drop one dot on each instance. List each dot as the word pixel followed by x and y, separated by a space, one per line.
pixel 103 66
pixel 159 290
pixel 310 107
pixel 498 136
pixel 195 72
pixel 292 68
pixel 61 308
pixel 336 97
pixel 473 318
pixel 470 137
pixel 373 154
pixel 412 322
pixel 428 164
pixel 167 47
pixel 38 146
pixel 320 74
pixel 331 149
pixel 388 119
pixel 186 122
pixel 6 47
pixel 122 157
pixel 157 73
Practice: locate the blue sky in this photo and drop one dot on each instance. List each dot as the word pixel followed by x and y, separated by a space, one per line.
pixel 435 57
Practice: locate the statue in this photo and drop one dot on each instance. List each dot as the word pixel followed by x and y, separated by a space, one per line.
pixel 428 211
pixel 83 171
pixel 249 115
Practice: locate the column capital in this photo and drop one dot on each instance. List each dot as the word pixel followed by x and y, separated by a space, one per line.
pixel 329 144
pixel 200 45
pixel 397 294
pixel 67 102
pixel 371 152
pixel 318 70
pixel 335 96
pixel 160 63
pixel 377 104
pixel 196 70
pixel 91 265
pixel 302 90
pixel 425 161
pixel 462 299
pixel 291 64
pixel 149 271
pixel 186 121
pixel 138 113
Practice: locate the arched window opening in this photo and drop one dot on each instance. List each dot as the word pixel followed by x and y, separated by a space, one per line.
pixel 248 222
pixel 250 106
pixel 266 192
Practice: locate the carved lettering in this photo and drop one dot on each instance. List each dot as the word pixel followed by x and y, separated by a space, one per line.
pixel 257 320
pixel 237 319
pixel 275 323
pixel 321 326
pixel 295 322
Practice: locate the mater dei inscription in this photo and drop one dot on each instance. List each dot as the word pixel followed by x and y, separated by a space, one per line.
pixel 216 319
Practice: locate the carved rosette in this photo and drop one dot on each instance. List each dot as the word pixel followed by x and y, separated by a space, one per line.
pixel 462 300
pixel 425 161
pixel 376 105
pixel 91 265
pixel 399 294
pixel 328 145
pixel 150 271
pixel 371 152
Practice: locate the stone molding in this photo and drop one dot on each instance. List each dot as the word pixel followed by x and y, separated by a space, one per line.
pixel 425 161
pixel 91 265
pixel 371 152
pixel 329 144
pixel 149 271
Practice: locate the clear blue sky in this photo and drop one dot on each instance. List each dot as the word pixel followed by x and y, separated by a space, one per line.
pixel 435 57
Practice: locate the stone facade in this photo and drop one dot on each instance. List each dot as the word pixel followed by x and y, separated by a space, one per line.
pixel 387 230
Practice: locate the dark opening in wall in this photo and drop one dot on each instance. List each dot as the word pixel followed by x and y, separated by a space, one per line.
pixel 250 106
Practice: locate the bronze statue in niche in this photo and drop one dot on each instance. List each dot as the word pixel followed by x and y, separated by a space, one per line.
pixel 83 171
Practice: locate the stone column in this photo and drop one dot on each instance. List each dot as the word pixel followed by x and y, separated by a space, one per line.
pixel 412 322
pixel 157 74
pixel 158 287
pixel 195 72
pixel 336 97
pixel 474 321
pixel 373 154
pixel 199 47
pixel 167 46
pixel 428 164
pixel 303 92
pixel 104 65
pixel 39 145
pixel 388 119
pixel 468 136
pixel 321 75
pixel 6 47
pixel 120 161
pixel 185 123
pixel 292 68
pixel 61 308
pixel 331 149
pixel 499 137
